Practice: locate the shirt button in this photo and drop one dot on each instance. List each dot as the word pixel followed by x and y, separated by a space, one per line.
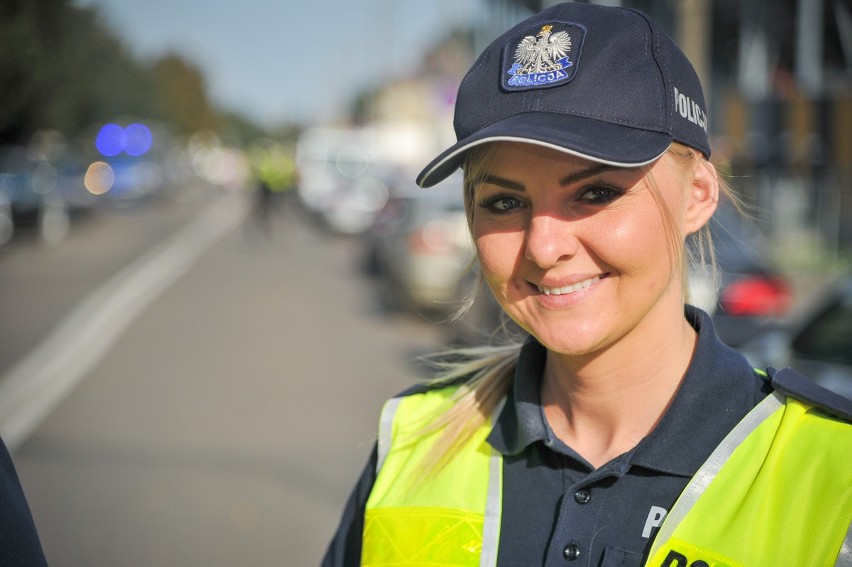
pixel 582 496
pixel 571 552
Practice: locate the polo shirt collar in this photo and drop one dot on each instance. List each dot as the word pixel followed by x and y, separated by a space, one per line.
pixel 521 422
pixel 719 388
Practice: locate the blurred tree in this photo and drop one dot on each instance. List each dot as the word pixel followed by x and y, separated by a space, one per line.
pixel 62 68
pixel 65 71
pixel 182 95
pixel 237 130
pixel 21 76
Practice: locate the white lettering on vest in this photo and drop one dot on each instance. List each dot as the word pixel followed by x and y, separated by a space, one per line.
pixel 689 109
pixel 655 518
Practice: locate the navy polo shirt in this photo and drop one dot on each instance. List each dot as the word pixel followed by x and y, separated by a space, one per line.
pixel 558 510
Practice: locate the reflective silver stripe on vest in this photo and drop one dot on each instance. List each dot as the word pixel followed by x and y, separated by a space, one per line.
pixel 713 465
pixel 386 431
pixel 844 558
pixel 494 502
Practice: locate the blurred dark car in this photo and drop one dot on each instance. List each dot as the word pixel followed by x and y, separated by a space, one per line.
pixel 751 295
pixel 136 179
pixel 7 226
pixel 40 193
pixel 30 195
pixel 418 247
pixel 24 203
pixel 816 340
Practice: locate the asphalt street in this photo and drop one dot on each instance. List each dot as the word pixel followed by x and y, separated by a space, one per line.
pixel 188 388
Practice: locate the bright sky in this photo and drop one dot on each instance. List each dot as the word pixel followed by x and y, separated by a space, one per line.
pixel 287 60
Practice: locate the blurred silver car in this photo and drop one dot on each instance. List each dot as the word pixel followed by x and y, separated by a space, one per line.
pixel 419 247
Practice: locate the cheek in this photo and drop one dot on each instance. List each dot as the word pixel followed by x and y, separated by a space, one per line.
pixel 635 243
pixel 492 254
pixel 497 252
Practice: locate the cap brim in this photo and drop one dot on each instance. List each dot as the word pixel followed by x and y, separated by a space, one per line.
pixel 603 142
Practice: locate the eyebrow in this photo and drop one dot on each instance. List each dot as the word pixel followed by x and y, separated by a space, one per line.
pixel 584 173
pixel 503 182
pixel 567 180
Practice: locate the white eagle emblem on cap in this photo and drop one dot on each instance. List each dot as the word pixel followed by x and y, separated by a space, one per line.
pixel 541 59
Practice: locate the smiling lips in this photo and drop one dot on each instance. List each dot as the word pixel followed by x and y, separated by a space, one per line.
pixel 573 288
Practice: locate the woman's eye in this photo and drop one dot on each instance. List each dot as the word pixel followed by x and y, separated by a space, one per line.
pixel 501 204
pixel 601 194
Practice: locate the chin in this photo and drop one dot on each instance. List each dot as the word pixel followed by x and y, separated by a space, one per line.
pixel 570 339
pixel 576 348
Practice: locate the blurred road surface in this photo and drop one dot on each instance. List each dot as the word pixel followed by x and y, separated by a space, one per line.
pixel 228 391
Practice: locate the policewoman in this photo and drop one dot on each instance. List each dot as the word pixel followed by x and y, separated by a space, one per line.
pixel 621 432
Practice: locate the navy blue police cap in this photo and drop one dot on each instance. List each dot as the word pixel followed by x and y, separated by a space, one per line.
pixel 602 83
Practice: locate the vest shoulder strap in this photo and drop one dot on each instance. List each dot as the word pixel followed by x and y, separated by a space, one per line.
pixel 776 491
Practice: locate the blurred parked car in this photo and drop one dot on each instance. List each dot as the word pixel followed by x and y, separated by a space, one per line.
pixel 418 247
pixel 7 227
pixel 816 341
pixel 42 187
pixel 342 180
pixel 24 203
pixel 354 205
pixel 135 179
pixel 751 295
pixel 30 191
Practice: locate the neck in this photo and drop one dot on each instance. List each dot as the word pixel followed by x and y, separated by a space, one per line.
pixel 604 404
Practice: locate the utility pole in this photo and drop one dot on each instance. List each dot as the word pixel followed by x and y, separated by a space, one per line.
pixel 693 36
pixel 809 46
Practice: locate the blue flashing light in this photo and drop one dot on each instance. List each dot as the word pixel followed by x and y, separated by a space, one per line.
pixel 138 139
pixel 135 140
pixel 111 140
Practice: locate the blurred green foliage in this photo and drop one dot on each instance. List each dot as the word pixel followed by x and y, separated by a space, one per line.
pixel 62 68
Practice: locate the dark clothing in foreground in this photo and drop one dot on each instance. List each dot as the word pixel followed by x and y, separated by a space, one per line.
pixel 19 541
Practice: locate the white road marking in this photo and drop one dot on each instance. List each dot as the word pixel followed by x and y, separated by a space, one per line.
pixel 35 385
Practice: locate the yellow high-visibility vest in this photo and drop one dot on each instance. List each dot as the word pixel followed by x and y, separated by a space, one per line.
pixel 776 491
pixel 763 498
pixel 451 518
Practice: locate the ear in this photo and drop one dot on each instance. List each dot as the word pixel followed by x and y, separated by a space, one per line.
pixel 703 197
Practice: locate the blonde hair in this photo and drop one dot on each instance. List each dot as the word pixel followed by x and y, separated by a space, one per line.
pixel 485 373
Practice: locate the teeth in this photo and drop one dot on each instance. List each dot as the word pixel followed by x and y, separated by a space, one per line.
pixel 579 286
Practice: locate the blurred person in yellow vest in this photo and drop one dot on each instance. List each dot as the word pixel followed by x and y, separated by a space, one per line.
pixel 274 179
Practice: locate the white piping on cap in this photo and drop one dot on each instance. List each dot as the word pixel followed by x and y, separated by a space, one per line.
pixel 535 143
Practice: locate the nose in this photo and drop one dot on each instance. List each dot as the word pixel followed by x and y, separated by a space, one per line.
pixel 549 240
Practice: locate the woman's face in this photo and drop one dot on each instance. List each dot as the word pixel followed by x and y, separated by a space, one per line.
pixel 576 252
